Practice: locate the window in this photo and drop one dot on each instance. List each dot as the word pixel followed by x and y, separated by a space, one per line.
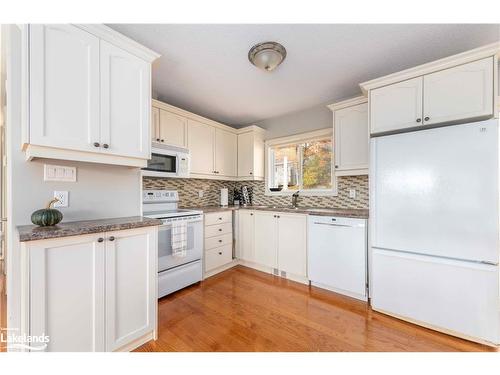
pixel 302 163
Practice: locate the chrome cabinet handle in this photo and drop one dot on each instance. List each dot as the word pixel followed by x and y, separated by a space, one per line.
pixel 96 144
pixel 105 145
pixel 427 118
pixel 100 239
pixel 111 238
pixel 419 120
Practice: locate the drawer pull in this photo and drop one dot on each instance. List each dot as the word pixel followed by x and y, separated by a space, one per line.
pixel 220 229
pixel 111 238
pixel 220 240
pixel 100 239
pixel 220 252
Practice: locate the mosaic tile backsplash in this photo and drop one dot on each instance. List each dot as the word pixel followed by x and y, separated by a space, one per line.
pixel 188 189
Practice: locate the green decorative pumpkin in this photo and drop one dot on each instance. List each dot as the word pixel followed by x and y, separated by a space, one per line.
pixel 47 216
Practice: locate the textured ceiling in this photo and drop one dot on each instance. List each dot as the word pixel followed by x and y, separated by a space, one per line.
pixel 204 68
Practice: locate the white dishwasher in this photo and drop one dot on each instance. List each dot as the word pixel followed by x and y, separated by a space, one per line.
pixel 337 255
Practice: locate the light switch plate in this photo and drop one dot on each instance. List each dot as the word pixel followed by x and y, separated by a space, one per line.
pixel 59 173
pixel 63 197
pixel 352 193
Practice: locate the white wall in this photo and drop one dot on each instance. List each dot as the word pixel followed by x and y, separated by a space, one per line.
pixel 101 191
pixel 315 118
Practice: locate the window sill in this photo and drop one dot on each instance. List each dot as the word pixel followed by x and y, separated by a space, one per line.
pixel 302 193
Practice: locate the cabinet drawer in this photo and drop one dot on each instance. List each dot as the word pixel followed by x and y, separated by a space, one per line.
pixel 218 218
pixel 225 239
pixel 217 257
pixel 217 230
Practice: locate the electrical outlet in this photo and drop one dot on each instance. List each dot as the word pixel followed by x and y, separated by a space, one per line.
pixel 63 199
pixel 200 193
pixel 352 193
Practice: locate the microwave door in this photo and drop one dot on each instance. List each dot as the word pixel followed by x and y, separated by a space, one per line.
pixel 162 163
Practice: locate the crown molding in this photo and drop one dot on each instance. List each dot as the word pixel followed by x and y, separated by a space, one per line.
pixel 348 103
pixel 488 50
pixel 114 37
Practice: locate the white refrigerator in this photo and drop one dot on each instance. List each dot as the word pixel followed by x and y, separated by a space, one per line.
pixel 434 229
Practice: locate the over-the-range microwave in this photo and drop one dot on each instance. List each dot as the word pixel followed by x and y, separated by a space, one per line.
pixel 168 161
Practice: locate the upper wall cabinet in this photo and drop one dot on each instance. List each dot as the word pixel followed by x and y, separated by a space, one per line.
pixel 201 144
pixel 88 95
pixel 168 128
pixel 125 103
pixel 251 154
pixel 463 92
pixel 64 87
pixel 396 106
pixel 226 153
pixel 452 90
pixel 217 151
pixel 351 137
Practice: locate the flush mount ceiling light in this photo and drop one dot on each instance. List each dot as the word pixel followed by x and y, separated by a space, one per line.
pixel 267 55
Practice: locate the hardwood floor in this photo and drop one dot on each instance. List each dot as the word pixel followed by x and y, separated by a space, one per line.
pixel 245 310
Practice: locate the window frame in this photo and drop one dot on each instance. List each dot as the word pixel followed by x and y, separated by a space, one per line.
pixel 292 140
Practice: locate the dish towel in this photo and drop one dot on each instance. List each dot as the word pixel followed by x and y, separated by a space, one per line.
pixel 179 239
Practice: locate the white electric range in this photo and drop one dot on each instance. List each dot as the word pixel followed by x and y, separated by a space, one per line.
pixel 175 272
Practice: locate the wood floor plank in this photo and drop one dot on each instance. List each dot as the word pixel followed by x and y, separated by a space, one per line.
pixel 245 310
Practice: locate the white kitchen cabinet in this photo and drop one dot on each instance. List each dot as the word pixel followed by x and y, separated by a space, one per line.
pixel 246 235
pixel 351 137
pixel 67 293
pixel 441 94
pixel 64 87
pixel 88 95
pixel 396 106
pixel 218 241
pixel 462 92
pixel 125 103
pixel 226 153
pixel 155 124
pixel 251 154
pixel 94 292
pixel 172 129
pixel 292 244
pixel 266 239
pixel 201 143
pixel 131 285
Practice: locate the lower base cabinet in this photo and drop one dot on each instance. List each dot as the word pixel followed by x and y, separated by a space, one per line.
pixel 218 241
pixel 274 240
pixel 94 292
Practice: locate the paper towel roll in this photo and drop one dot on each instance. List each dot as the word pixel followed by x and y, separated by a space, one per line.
pixel 224 197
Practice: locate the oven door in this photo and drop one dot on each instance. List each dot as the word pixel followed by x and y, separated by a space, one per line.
pixel 194 245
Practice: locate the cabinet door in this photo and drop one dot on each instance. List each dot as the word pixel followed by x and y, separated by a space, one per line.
pixel 64 87
pixel 246 235
pixel 131 291
pixel 245 154
pixel 155 124
pixel 352 140
pixel 173 129
pixel 463 92
pixel 396 106
pixel 226 153
pixel 292 244
pixel 266 239
pixel 66 288
pixel 125 103
pixel 201 142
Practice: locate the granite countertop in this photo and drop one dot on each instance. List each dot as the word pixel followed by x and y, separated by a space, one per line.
pixel 318 211
pixel 75 228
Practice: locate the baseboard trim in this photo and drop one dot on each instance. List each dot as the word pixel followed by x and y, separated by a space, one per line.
pixel 137 342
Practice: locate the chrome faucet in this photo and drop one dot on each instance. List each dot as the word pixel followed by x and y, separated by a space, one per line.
pixel 295 198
